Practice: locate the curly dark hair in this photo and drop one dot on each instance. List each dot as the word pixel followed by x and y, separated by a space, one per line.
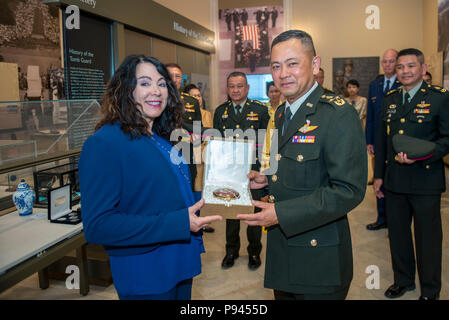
pixel 118 104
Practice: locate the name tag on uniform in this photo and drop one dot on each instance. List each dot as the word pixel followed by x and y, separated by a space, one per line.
pixel 303 139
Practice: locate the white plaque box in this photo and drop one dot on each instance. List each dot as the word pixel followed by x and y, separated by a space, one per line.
pixel 227 164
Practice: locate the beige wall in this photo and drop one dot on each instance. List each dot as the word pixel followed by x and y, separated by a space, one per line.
pixel 225 4
pixel 338 27
pixel 434 59
pixel 196 10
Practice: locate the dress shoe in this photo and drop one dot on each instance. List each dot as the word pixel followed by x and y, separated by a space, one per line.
pixel 208 229
pixel 429 297
pixel 228 261
pixel 396 291
pixel 254 262
pixel 376 226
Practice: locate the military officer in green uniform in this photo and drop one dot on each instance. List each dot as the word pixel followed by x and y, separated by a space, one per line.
pixel 321 176
pixel 191 113
pixel 241 113
pixel 413 187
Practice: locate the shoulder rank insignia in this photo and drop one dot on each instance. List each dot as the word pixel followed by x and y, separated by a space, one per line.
pixel 338 101
pixel 391 91
pixel 438 88
pixel 258 102
pixel 335 99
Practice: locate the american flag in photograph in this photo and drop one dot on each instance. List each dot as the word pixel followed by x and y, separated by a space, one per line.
pixel 251 32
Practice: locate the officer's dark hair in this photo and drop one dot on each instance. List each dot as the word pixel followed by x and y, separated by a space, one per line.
pixel 189 87
pixel 269 85
pixel 412 52
pixel 306 39
pixel 173 65
pixel 236 74
pixel 353 82
pixel 429 74
pixel 119 106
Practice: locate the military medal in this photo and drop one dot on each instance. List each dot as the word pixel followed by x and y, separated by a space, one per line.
pixel 423 105
pixel 421 111
pixel 303 139
pixel 252 116
pixel 190 107
pixel 226 194
pixel 307 127
pixel 225 114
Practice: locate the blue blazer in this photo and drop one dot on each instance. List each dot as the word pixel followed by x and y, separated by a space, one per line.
pixel 375 98
pixel 134 204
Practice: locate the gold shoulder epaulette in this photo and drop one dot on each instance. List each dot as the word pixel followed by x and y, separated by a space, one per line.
pixel 333 99
pixel 437 88
pixel 258 102
pixel 391 91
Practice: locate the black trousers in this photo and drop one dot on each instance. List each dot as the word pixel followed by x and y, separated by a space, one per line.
pixel 254 233
pixel 425 211
pixel 338 295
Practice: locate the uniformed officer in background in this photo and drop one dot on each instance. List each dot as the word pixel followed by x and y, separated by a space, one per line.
pixel 241 113
pixel 319 77
pixel 413 188
pixel 192 112
pixel 321 176
pixel 378 88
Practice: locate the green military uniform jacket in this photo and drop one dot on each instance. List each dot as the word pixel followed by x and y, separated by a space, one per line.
pixel 321 176
pixel 254 115
pixel 425 117
pixel 192 111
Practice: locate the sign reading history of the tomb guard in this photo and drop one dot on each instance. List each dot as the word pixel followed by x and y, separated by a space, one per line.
pixel 87 57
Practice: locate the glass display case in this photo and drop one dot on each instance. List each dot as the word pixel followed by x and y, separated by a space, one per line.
pixel 40 142
pixel 56 177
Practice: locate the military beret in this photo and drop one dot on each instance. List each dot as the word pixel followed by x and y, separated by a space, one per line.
pixel 414 148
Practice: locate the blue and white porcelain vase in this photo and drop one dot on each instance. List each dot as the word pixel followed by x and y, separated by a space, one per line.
pixel 24 199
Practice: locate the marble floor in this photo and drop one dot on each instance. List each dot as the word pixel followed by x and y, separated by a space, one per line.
pixel 370 248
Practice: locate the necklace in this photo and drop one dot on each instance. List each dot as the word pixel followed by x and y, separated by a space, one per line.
pixel 163 147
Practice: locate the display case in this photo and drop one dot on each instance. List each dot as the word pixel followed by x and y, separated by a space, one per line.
pixel 16 150
pixel 51 178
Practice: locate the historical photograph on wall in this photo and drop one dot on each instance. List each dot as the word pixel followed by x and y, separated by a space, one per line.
pixel 362 69
pixel 443 38
pixel 30 38
pixel 245 35
pixel 31 110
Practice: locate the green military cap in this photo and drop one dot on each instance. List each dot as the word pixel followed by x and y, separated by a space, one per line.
pixel 414 148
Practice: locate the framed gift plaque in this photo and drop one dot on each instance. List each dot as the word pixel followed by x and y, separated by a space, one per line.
pixel 227 164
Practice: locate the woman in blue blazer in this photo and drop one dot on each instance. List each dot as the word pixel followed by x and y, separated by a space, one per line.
pixel 136 195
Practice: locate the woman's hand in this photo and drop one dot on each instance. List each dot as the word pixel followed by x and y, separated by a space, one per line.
pixel 198 223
